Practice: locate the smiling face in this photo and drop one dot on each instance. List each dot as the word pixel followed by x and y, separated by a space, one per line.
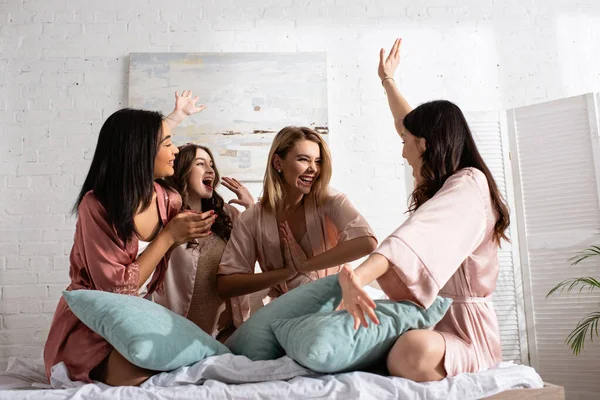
pixel 201 178
pixel 165 156
pixel 301 167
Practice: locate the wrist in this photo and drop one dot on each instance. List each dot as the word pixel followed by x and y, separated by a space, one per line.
pixel 387 80
pixel 304 267
pixel 177 115
pixel 167 238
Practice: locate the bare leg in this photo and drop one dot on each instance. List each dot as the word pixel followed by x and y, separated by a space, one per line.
pixel 116 370
pixel 418 355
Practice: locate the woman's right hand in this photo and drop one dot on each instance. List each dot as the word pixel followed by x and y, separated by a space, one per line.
pixel 355 300
pixel 188 225
pixel 388 66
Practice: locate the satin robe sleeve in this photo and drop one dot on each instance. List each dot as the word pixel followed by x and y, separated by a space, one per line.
pixel 240 254
pixel 349 223
pixel 109 265
pixel 429 247
pixel 240 306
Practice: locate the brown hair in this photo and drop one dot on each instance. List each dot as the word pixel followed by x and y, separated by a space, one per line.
pixel 179 182
pixel 450 147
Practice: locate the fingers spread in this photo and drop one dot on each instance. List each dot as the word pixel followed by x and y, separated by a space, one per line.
pixel 370 312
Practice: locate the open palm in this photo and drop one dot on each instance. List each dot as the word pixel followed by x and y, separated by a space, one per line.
pixel 187 104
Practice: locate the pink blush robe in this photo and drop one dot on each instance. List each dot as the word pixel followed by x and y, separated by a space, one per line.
pixel 99 261
pixel 255 237
pixel 447 247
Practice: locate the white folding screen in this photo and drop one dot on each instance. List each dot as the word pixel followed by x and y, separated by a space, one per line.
pixel 492 141
pixel 555 153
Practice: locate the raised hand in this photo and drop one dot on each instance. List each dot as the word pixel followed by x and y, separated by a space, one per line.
pixel 244 198
pixel 387 66
pixel 187 104
pixel 189 225
pixel 355 300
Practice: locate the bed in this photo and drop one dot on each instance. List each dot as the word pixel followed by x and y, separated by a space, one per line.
pixel 234 377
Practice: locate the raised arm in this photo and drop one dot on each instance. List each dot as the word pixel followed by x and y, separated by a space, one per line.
pixel 387 68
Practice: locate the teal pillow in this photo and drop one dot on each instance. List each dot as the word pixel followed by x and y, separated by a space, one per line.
pixel 328 343
pixel 145 333
pixel 255 338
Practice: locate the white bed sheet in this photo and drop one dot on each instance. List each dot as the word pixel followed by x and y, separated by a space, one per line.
pixel 236 377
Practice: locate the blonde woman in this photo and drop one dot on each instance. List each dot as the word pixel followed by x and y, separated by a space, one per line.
pixel 301 230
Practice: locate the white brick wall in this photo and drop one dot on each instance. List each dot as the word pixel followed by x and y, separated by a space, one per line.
pixel 63 70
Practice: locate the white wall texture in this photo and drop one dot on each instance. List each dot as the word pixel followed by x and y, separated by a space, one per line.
pixel 64 69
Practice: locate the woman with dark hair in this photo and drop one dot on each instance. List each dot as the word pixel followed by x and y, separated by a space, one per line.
pixel 448 245
pixel 191 280
pixel 126 225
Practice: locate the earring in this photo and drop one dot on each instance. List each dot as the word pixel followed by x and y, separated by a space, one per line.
pixel 279 170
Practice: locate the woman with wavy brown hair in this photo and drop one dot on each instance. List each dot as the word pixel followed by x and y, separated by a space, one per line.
pixel 448 246
pixel 301 230
pixel 191 279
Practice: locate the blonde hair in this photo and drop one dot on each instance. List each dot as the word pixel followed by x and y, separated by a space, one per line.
pixel 284 141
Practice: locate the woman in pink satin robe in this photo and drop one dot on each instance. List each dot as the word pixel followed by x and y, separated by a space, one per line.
pixel 301 230
pixel 127 223
pixel 448 246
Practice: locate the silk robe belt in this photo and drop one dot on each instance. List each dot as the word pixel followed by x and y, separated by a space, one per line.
pixel 466 299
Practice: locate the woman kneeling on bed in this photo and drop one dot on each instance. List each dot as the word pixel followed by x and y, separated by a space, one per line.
pixel 126 225
pixel 191 279
pixel 448 246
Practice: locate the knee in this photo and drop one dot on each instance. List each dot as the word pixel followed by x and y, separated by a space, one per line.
pixel 118 371
pixel 417 355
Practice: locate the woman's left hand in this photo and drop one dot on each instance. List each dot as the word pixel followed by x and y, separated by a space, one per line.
pixel 244 198
pixel 354 298
pixel 297 254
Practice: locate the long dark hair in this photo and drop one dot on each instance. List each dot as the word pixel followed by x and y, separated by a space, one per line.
pixel 179 182
pixel 122 170
pixel 450 147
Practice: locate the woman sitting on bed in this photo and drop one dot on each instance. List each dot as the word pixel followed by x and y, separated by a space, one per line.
pixel 127 223
pixel 448 246
pixel 191 279
pixel 301 230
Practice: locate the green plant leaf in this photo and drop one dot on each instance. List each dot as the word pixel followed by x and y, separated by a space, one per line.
pixel 576 339
pixel 591 251
pixel 570 284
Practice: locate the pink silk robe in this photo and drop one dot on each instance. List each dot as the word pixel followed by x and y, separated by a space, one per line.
pixel 99 261
pixel 186 265
pixel 447 247
pixel 255 237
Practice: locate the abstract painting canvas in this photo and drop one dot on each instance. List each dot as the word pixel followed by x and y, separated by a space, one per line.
pixel 249 98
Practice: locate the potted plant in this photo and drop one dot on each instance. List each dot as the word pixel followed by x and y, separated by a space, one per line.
pixel 589 323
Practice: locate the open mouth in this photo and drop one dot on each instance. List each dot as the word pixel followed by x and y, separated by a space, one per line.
pixel 208 182
pixel 307 180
